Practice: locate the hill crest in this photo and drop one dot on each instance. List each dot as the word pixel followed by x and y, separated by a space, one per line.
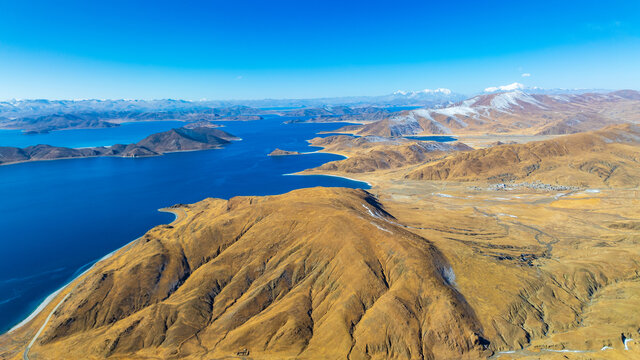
pixel 607 157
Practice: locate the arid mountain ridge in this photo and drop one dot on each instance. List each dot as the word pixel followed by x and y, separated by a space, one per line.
pixel 607 157
pixel 434 262
pixel 326 269
pixel 514 112
pixel 371 153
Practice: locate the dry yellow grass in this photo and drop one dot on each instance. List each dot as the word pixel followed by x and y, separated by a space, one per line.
pixel 315 273
pixel 543 270
pixel 608 157
pixel 410 269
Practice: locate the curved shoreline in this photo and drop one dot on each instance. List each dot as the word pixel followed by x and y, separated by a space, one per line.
pixel 179 215
pixel 50 298
pixel 177 212
pixel 54 294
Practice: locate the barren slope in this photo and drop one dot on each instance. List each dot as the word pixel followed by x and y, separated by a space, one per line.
pixel 371 153
pixel 514 112
pixel 609 157
pixel 315 273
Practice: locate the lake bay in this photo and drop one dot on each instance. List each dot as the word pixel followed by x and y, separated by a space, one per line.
pixel 59 217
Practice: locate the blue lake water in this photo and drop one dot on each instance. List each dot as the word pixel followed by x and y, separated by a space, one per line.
pixel 61 216
pixel 126 133
pixel 402 108
pixel 438 138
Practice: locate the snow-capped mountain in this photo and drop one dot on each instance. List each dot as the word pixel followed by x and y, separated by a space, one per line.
pixel 426 98
pixel 539 90
pixel 510 87
pixel 515 111
pixel 40 107
pixel 442 91
pixel 556 91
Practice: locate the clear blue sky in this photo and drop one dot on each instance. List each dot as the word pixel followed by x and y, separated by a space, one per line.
pixel 238 49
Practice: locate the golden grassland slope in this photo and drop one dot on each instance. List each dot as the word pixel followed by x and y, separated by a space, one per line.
pixel 315 273
pixel 608 157
pixel 370 153
pixel 439 272
pixel 549 274
pixel 437 269
pixel 541 273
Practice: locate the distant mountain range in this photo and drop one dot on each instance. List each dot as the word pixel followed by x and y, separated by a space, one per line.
pixel 109 118
pixel 32 108
pixel 424 98
pixel 515 112
pixel 450 111
pixel 427 97
pixel 538 90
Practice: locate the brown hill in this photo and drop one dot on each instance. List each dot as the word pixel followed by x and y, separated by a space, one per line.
pixel 371 153
pixel 201 124
pixel 181 139
pixel 315 273
pixel 186 139
pixel 10 155
pixel 280 152
pixel 514 112
pixel 610 157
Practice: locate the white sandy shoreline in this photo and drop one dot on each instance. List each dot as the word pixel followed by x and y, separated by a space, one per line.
pixel 53 295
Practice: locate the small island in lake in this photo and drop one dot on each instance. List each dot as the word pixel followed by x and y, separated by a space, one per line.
pixel 280 152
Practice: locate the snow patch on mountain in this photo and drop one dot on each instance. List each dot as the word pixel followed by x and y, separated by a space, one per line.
pixel 505 101
pixel 426 114
pixel 443 91
pixel 562 98
pixel 475 108
pixel 510 87
pixel 399 125
pixel 453 111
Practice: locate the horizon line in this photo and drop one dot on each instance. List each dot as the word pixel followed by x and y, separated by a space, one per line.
pixel 308 98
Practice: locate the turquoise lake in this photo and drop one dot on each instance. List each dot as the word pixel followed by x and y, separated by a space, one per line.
pixel 59 217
